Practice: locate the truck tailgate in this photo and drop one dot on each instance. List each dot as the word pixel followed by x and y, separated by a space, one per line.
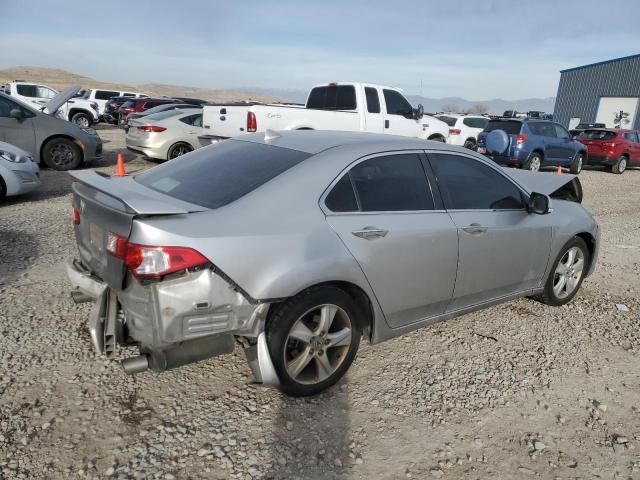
pixel 225 121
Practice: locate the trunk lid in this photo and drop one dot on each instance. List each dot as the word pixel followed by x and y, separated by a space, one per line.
pixel 110 204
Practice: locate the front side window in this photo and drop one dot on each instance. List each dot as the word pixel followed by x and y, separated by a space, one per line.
pixel 373 101
pixel 44 92
pixel 7 105
pixel 30 91
pixel 392 183
pixel 396 103
pixel 333 97
pixel 468 184
pixel 560 131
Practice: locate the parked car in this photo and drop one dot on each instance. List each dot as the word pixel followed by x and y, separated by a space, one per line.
pixel 77 110
pixel 166 135
pixel 292 243
pixel 464 129
pixel 585 126
pixel 18 172
pixel 136 105
pixel 531 144
pixel 614 148
pixel 61 145
pixel 352 107
pixel 158 109
pixel 101 97
pixel 111 108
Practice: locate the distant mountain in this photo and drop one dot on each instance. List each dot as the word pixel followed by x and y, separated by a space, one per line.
pixel 497 105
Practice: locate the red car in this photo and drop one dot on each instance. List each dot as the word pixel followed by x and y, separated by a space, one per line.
pixel 140 105
pixel 613 148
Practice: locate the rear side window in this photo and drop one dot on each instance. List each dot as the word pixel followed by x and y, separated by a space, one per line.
pixel 510 127
pixel 338 97
pixel 396 104
pixel 342 198
pixel 373 100
pixel 542 129
pixel 598 135
pixel 195 120
pixel 468 184
pixel 219 174
pixel 451 121
pixel 392 183
pixel 128 94
pixel 27 90
pixel 475 122
pixel 631 136
pixel 105 94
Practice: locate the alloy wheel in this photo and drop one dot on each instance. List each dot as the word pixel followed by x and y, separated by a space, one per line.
pixel 82 122
pixel 179 151
pixel 317 344
pixel 622 166
pixel 62 154
pixel 568 272
pixel 534 165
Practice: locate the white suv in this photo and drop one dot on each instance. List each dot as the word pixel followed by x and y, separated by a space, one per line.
pixel 463 129
pixel 101 97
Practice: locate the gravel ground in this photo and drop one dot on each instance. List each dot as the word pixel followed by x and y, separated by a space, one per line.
pixel 516 391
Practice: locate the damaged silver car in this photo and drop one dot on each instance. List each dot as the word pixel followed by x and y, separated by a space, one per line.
pixel 296 244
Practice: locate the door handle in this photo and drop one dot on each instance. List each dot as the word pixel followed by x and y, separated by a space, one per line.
pixel 370 232
pixel 386 124
pixel 475 229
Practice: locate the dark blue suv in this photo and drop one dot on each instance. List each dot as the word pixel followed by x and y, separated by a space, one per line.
pixel 531 144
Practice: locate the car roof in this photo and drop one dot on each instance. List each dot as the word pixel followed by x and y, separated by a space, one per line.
pixel 316 141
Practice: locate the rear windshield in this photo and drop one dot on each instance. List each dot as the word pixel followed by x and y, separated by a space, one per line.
pixel 128 103
pixel 448 120
pixel 339 97
pixel 162 115
pixel 217 175
pixel 597 135
pixel 510 127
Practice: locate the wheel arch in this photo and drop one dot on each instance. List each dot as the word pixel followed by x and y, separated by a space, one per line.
pixel 437 137
pixel 53 137
pixel 590 240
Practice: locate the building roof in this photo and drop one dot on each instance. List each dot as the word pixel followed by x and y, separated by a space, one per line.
pixel 601 63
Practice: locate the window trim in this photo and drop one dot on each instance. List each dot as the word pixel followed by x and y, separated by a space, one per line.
pixel 495 167
pixel 437 202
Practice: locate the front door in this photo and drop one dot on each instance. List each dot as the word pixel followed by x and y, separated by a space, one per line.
pixel 383 211
pixel 398 118
pixel 19 133
pixel 503 249
pixel 566 148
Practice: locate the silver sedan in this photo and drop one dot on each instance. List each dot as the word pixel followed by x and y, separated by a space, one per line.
pixel 294 245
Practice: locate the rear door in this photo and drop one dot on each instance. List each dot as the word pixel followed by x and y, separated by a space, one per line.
pixel 192 127
pixel 634 146
pixel 407 246
pixel 374 118
pixel 503 249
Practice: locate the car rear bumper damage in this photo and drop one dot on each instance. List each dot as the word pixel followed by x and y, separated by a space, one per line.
pixel 175 322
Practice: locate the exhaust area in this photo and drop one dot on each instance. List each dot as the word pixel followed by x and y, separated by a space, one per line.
pixel 136 364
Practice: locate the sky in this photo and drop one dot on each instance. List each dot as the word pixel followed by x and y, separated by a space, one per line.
pixel 477 50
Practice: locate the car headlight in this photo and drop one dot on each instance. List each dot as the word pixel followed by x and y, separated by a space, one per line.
pixel 11 157
pixel 90 131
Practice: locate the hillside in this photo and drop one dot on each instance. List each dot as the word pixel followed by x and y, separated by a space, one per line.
pixel 60 79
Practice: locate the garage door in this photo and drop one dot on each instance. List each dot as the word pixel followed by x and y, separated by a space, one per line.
pixel 617 112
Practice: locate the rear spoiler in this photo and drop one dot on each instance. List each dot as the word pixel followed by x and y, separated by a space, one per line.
pixel 137 198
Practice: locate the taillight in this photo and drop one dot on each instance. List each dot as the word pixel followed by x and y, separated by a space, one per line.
pixel 252 124
pixel 151 128
pixel 148 261
pixel 520 138
pixel 76 216
pixel 454 131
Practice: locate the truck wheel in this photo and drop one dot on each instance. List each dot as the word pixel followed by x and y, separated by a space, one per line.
pixel 620 165
pixel 576 165
pixel 534 162
pixel 82 119
pixel 313 339
pixel 62 154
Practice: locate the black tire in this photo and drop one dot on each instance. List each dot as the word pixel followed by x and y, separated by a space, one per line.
pixel 470 144
pixel 548 295
pixel 576 165
pixel 62 154
pixel 3 188
pixel 178 149
pixel 82 119
pixel 620 166
pixel 534 162
pixel 303 306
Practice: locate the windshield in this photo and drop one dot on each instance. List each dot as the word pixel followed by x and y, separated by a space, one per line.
pixel 219 174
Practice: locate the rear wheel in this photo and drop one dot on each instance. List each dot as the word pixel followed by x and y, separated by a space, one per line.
pixel 178 149
pixel 470 144
pixel 82 119
pixel 313 339
pixel 620 165
pixel 576 165
pixel 62 154
pixel 567 273
pixel 534 162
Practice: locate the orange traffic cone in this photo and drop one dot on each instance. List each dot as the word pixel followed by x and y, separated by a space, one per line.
pixel 559 170
pixel 120 167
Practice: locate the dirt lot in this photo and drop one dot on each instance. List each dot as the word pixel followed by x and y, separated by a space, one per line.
pixel 516 391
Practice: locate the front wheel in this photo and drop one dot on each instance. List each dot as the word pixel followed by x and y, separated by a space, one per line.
pixel 567 273
pixel 313 339
pixel 576 165
pixel 62 154
pixel 83 120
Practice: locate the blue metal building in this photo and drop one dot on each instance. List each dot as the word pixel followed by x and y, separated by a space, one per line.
pixel 604 92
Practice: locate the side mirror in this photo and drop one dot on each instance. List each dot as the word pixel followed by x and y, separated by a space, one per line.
pixel 418 112
pixel 538 203
pixel 17 114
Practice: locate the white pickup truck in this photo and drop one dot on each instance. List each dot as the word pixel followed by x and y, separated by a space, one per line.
pixel 345 106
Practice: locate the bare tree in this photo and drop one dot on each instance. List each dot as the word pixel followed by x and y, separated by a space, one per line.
pixel 478 108
pixel 450 107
